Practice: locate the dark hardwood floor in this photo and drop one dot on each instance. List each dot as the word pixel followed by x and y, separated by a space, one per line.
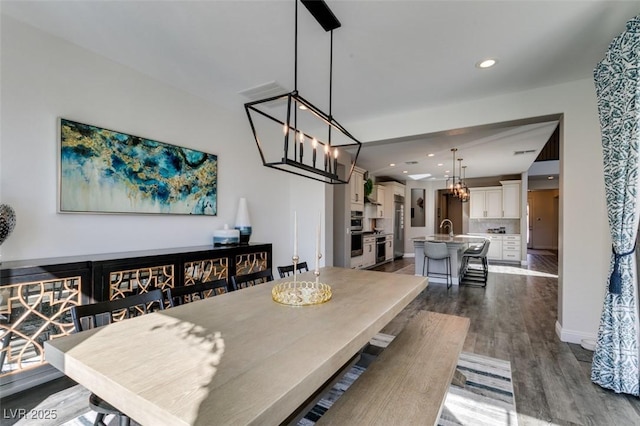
pixel 514 318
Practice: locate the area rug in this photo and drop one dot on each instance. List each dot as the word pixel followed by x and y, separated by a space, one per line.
pixel 486 400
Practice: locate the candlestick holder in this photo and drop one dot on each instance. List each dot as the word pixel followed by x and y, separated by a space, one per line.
pixel 301 293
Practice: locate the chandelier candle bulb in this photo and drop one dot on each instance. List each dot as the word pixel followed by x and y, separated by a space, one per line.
pixel 314 144
pixel 326 156
pixel 335 161
pixel 301 145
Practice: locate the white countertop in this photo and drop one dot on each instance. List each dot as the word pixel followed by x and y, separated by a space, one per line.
pixel 490 234
pixel 456 239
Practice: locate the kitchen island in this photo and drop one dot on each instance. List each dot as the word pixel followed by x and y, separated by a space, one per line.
pixel 456 244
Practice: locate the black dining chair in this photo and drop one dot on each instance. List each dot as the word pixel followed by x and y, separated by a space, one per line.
pixel 102 313
pixel 198 291
pixel 287 271
pixel 239 282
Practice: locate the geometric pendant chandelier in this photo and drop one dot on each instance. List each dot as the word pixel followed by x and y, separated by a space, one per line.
pixel 295 136
pixel 458 189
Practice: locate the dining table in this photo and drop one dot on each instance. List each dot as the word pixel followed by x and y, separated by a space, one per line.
pixel 238 358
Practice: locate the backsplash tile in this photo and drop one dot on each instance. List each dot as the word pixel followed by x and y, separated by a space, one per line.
pixel 512 226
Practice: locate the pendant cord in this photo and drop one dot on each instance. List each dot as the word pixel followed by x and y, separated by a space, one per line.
pixel 330 84
pixel 295 54
pixel 330 74
pixel 295 85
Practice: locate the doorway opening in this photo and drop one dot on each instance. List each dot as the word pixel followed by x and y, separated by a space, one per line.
pixel 449 207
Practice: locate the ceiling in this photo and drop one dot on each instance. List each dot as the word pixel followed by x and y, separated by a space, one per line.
pixel 389 56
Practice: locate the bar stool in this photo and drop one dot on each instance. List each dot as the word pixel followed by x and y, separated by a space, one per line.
pixel 437 251
pixel 475 276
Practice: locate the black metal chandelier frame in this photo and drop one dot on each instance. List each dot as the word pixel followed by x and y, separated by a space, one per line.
pixel 458 189
pixel 329 172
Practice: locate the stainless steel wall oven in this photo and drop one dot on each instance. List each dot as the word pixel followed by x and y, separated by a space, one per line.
pixel 380 249
pixel 357 240
pixel 357 237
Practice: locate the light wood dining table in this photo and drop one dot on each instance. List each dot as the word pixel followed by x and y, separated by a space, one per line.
pixel 234 359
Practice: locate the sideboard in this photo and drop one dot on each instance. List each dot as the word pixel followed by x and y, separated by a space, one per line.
pixel 36 295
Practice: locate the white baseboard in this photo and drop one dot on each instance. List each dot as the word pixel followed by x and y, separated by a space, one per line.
pixel 573 336
pixel 409 255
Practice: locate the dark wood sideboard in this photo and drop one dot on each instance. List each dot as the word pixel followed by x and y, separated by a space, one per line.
pixel 36 295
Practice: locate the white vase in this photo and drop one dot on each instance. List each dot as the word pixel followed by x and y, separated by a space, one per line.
pixel 243 223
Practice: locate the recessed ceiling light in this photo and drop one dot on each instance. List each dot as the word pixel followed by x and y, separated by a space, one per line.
pixel 550 177
pixel 447 171
pixel 392 165
pixel 420 176
pixel 430 155
pixel 486 63
pixel 440 164
pixel 405 171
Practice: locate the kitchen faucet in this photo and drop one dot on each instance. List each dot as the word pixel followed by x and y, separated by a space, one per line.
pixel 449 224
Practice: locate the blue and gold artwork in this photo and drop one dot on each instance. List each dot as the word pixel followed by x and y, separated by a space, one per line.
pixel 111 172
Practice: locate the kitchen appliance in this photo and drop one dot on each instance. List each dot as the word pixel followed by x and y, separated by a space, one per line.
pixel 357 246
pixel 357 220
pixel 357 236
pixel 398 226
pixel 381 249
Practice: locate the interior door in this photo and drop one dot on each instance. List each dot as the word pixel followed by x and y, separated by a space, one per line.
pixel 529 223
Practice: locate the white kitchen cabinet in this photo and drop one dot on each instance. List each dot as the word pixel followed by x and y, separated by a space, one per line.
pixel 495 248
pixel 485 203
pixel 357 189
pixel 379 191
pixel 511 199
pixel 388 249
pixel 503 247
pixel 511 248
pixel 369 249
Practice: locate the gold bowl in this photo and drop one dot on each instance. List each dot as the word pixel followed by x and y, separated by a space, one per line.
pixel 301 293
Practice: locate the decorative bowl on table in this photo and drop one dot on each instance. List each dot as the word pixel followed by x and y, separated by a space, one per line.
pixel 301 293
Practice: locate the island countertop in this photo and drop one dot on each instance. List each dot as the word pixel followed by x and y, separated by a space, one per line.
pixel 446 238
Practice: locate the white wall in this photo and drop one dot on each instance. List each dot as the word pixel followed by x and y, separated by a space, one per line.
pixel 585 242
pixel 43 78
pixel 430 189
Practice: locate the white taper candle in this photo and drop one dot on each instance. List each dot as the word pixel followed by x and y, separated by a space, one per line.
pixel 295 233
pixel 318 243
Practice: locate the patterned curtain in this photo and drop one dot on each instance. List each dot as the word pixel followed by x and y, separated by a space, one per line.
pixel 615 361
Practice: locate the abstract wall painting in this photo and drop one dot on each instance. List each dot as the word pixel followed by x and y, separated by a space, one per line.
pixel 104 171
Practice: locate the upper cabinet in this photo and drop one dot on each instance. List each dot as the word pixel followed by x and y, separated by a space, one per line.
pixel 379 191
pixel 357 189
pixel 511 199
pixel 485 202
pixel 496 202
